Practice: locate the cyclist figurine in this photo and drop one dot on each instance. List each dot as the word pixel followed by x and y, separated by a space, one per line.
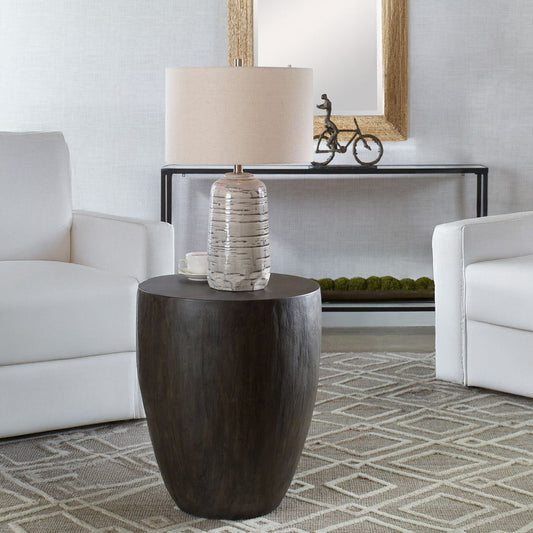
pixel 367 148
pixel 331 127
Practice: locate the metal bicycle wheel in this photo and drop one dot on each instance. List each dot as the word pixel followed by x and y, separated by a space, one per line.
pixel 367 150
pixel 322 158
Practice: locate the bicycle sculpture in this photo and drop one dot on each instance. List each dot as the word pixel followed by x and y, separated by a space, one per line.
pixel 367 149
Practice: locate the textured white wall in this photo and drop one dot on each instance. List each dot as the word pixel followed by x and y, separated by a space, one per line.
pixel 94 69
pixel 470 82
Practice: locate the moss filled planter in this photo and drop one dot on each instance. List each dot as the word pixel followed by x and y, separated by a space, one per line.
pixel 373 296
pixel 374 288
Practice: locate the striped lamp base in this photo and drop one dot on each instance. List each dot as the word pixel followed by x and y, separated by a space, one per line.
pixel 238 249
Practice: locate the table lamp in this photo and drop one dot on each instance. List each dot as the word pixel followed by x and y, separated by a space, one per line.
pixel 238 116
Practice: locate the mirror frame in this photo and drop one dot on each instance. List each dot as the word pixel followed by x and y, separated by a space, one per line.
pixel 392 125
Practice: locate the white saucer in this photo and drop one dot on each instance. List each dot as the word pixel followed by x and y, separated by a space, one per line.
pixel 192 276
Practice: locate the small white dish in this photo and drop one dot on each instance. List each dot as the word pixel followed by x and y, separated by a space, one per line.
pixel 192 276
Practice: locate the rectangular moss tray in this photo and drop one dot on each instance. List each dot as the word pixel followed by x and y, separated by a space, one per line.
pixel 375 296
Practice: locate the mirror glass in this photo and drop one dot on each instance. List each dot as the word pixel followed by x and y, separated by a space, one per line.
pixel 340 40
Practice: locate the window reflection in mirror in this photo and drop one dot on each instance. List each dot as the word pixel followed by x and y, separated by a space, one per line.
pixel 339 39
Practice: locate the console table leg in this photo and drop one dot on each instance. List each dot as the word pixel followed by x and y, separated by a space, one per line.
pixel 163 197
pixel 485 192
pixel 479 194
pixel 169 198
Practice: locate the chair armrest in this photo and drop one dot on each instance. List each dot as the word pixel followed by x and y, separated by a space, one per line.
pixel 455 246
pixel 138 248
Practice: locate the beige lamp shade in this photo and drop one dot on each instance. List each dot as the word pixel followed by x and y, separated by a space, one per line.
pixel 239 115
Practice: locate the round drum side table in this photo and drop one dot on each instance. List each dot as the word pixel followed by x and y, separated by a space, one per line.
pixel 228 381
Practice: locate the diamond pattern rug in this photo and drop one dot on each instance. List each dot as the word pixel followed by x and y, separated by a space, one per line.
pixel 390 449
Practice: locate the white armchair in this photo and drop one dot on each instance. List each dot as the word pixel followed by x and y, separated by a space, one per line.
pixel 68 284
pixel 483 271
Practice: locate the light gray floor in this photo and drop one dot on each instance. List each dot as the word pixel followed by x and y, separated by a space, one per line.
pixel 379 339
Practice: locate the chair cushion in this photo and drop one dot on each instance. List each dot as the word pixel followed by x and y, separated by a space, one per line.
pixel 501 292
pixel 35 199
pixel 53 310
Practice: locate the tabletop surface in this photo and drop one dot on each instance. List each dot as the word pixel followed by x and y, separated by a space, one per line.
pixel 280 286
pixel 332 169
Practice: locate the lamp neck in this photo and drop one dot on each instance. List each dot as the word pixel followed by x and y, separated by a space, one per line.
pixel 238 173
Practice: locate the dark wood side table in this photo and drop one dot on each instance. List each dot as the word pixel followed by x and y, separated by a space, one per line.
pixel 228 381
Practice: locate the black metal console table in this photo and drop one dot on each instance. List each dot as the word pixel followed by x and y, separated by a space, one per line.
pixel 480 171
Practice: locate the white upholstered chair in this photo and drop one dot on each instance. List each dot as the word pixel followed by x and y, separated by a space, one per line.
pixel 483 270
pixel 68 283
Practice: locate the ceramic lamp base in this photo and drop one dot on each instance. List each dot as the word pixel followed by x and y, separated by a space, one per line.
pixel 238 249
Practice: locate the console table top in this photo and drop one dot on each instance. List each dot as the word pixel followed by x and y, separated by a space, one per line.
pixel 333 169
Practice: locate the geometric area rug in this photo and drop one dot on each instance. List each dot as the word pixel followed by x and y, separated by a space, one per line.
pixel 390 449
